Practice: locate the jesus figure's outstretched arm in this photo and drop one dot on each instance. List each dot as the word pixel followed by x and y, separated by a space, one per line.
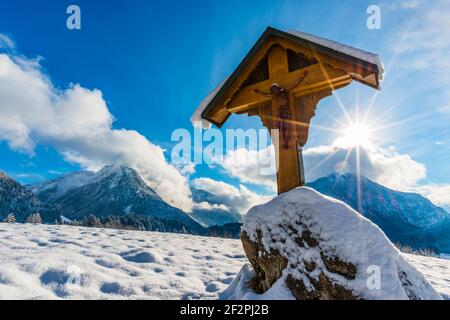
pixel 266 94
pixel 298 82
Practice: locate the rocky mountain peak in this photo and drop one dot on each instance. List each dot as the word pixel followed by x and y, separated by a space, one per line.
pixel 16 199
pixel 112 191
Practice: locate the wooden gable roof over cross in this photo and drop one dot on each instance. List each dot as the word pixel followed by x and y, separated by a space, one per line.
pixel 281 80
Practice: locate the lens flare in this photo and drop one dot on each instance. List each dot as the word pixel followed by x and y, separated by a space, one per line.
pixel 355 135
pixel 358 135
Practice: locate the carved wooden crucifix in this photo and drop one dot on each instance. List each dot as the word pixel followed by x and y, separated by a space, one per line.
pixel 281 80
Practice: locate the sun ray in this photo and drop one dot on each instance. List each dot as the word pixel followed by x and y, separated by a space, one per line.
pixel 335 94
pixel 391 63
pixel 337 121
pixel 347 155
pixel 399 122
pixel 321 162
pixel 381 140
pixel 358 180
pixel 300 123
pixel 355 135
pixel 324 128
pixel 387 110
pixel 357 103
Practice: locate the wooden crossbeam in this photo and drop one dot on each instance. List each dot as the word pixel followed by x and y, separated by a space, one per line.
pixel 286 102
pixel 292 118
pixel 319 77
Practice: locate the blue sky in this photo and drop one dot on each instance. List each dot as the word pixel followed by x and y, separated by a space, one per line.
pixel 152 62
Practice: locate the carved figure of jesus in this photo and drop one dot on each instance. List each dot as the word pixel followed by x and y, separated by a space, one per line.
pixel 284 117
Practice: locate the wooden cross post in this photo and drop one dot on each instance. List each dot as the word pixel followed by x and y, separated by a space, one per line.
pixel 292 129
pixel 289 174
pixel 281 80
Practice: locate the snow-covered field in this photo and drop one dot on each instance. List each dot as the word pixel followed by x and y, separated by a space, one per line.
pixel 435 270
pixel 52 262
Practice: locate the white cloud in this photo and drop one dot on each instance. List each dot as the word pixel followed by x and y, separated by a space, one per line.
pixel 430 29
pixel 76 121
pixel 392 5
pixel 236 199
pixel 210 206
pixel 438 193
pixel 445 109
pixel 26 176
pixel 385 166
pixel 6 42
pixel 186 169
pixel 256 167
pixel 425 46
pixel 410 4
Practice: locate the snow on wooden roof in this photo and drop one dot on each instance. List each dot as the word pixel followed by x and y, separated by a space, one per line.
pixel 337 49
pixel 196 118
pixel 344 49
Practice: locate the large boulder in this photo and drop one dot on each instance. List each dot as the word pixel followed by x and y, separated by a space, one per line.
pixel 304 245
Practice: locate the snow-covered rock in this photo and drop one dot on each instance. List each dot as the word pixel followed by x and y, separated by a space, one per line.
pixel 316 247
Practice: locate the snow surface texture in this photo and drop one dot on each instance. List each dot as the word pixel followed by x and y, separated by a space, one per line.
pixel 357 53
pixel 435 270
pixel 53 262
pixel 343 233
pixel 63 262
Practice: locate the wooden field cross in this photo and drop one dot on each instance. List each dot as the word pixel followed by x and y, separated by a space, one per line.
pixel 281 80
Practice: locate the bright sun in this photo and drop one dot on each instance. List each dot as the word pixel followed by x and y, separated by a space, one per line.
pixel 356 135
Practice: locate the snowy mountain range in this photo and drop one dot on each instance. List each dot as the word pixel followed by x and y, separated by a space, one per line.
pixel 214 214
pixel 118 190
pixel 112 191
pixel 406 218
pixel 117 195
pixel 16 199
